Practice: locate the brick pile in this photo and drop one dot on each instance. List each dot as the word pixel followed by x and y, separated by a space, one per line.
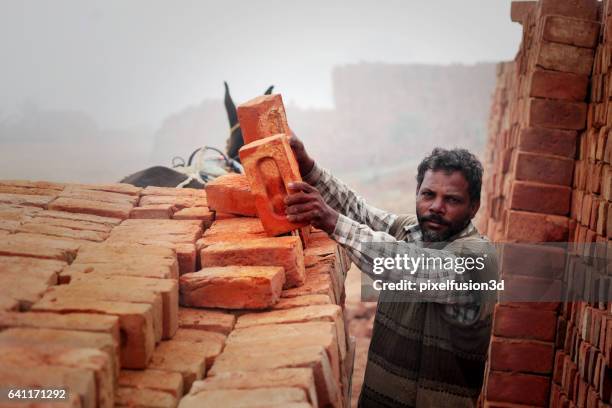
pixel 548 170
pixel 148 297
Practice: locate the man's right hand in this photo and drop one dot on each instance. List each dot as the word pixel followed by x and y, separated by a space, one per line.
pixel 305 162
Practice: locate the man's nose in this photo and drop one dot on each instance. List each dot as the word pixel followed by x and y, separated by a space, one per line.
pixel 437 206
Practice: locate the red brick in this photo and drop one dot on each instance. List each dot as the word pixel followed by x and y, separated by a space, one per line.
pixel 208 320
pixel 144 397
pixel 231 193
pixel 157 211
pixel 281 251
pixel 105 209
pixel 517 388
pixel 556 114
pixel 585 9
pixel 270 165
pixel 525 356
pixel 523 226
pixel 565 58
pixel 524 323
pixel 558 85
pixel 548 141
pixel 538 197
pixel 158 380
pixel 571 31
pixel 262 117
pixel 544 169
pixel 520 9
pixel 233 287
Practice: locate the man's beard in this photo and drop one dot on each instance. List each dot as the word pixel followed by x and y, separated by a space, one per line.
pixel 443 235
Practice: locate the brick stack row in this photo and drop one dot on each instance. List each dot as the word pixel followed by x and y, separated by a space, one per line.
pixel 539 112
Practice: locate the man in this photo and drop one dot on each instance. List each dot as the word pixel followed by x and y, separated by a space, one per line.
pixel 428 348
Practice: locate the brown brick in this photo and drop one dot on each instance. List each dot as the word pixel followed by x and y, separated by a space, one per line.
pixel 79 225
pixel 210 320
pixel 525 356
pixel 158 211
pixel 274 397
pixel 45 270
pixel 544 169
pixel 519 10
pixel 178 202
pixel 104 209
pixel 196 213
pixel 135 321
pixel 80 193
pixel 39 246
pixel 281 251
pixel 523 226
pixel 79 381
pixel 524 323
pixel 557 114
pixel 40 201
pixel 571 31
pixel 565 58
pixel 143 397
pixel 517 388
pixel 62 232
pixel 233 287
pixel 172 191
pixel 539 197
pixel 171 383
pixel 231 193
pixel 303 300
pixel 558 85
pixel 69 216
pixel 584 9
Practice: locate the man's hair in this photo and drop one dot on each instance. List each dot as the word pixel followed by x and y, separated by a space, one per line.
pixel 454 160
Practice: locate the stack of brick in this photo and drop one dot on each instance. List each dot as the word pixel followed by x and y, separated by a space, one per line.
pixel 546 170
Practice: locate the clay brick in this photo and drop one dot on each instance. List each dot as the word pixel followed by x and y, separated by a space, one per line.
pixel 122 268
pixel 283 377
pixel 303 300
pixel 99 196
pixel 262 117
pixel 199 336
pixel 159 211
pixel 188 359
pixel 544 169
pixel 119 188
pixel 540 261
pixel 26 200
pixel 519 10
pixel 281 251
pixel 269 338
pixel 525 356
pixel 78 225
pixel 233 287
pixel 178 202
pixel 46 270
pixel 135 321
pixel 80 383
pixel 110 291
pixel 523 323
pixel 62 232
pixel 8 304
pixel 31 354
pixel 143 397
pixel 315 284
pixel 606 183
pixel 556 114
pixel 231 193
pixel 26 290
pixel 558 85
pixel 533 227
pixel 29 336
pixel 314 357
pixel 208 320
pixel 565 58
pixel 167 289
pixel 73 321
pixel 517 388
pixel 95 219
pixel 538 197
pixel 112 210
pixel 231 230
pixel 172 191
pixel 196 213
pixel 584 9
pixel 123 254
pixel 270 165
pixel 38 246
pixel 571 31
pixel 326 313
pixel 273 397
pixel 157 380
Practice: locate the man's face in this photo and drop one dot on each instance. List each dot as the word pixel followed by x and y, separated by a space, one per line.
pixel 443 205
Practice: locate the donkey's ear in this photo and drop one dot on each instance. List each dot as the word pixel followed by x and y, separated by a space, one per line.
pixel 269 90
pixel 230 107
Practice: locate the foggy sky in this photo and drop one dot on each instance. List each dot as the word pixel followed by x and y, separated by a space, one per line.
pixel 132 62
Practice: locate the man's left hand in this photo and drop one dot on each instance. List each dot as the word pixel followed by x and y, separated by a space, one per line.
pixel 305 204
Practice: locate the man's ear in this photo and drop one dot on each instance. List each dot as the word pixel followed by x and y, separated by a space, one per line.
pixel 474 207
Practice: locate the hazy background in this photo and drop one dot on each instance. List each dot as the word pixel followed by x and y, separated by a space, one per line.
pixel 92 91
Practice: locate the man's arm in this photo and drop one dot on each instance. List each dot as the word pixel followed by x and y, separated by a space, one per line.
pixel 338 195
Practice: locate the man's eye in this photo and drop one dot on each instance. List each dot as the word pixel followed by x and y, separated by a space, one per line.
pixel 453 200
pixel 427 193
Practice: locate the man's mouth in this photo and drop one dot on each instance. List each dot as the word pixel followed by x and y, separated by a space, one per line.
pixel 434 225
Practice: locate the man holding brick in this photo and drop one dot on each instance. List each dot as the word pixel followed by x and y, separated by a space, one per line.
pixel 428 348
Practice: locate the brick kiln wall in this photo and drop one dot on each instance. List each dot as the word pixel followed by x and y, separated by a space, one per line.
pixel 548 179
